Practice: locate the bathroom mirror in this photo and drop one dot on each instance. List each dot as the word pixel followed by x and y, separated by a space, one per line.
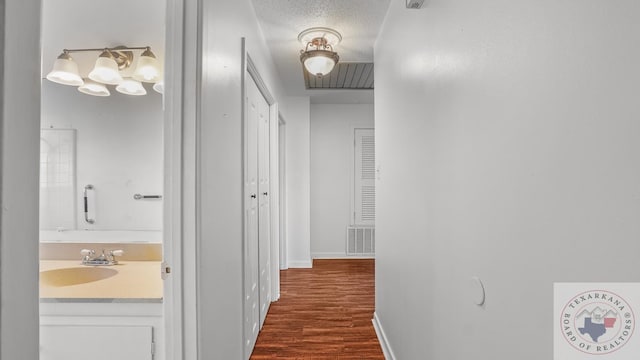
pixel 101 164
pixel 101 156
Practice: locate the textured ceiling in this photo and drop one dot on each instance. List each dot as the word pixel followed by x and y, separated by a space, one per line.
pixel 358 21
pixel 93 24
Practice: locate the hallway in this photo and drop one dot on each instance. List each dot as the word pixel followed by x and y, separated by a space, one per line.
pixel 323 313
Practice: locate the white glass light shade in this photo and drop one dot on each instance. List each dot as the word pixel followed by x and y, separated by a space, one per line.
pixel 131 87
pixel 93 88
pixel 106 71
pixel 65 71
pixel 147 69
pixel 319 65
pixel 159 87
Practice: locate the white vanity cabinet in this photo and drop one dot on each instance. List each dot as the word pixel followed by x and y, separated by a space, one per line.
pixel 97 342
pixel 101 330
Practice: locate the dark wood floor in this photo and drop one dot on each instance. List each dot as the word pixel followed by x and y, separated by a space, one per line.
pixel 323 313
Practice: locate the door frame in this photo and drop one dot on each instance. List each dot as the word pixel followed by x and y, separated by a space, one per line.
pixel 19 183
pixel 181 53
pixel 282 198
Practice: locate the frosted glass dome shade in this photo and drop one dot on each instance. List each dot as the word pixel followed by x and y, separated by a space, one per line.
pixel 319 62
pixel 106 70
pixel 131 87
pixel 93 88
pixel 159 87
pixel 148 69
pixel 65 71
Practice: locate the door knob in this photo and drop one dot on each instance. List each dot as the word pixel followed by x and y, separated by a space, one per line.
pixel 265 194
pixel 253 196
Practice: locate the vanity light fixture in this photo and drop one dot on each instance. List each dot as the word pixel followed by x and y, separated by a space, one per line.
pixel 318 56
pixel 159 87
pixel 131 87
pixel 106 70
pixel 148 68
pixel 65 71
pixel 91 87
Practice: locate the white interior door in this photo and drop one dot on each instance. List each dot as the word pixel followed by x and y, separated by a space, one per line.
pixel 264 224
pixel 251 279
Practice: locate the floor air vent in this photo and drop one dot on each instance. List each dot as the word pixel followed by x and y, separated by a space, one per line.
pixel 361 241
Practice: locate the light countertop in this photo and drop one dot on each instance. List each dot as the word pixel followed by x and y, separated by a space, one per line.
pixel 127 281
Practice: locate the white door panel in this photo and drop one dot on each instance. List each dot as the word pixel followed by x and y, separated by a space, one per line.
pixel 252 297
pixel 257 256
pixel 264 228
pixel 68 342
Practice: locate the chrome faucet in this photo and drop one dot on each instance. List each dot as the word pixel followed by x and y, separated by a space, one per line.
pixel 89 257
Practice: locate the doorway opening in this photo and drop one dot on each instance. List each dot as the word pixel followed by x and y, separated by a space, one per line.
pixel 110 186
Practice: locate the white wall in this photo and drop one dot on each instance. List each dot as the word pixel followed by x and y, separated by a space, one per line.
pixel 19 157
pixel 119 151
pixel 298 196
pixel 508 147
pixel 332 128
pixel 218 162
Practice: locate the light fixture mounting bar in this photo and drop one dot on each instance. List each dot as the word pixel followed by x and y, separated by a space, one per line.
pixel 117 48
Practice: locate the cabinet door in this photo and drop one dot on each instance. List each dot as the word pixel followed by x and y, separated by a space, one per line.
pixel 69 342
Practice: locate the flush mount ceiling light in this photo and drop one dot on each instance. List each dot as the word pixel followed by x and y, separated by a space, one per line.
pixel 318 56
pixel 106 70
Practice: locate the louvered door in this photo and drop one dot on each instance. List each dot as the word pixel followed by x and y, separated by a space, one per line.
pixel 364 182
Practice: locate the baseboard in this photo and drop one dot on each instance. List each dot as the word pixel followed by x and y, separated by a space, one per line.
pixel 305 264
pixel 338 255
pixel 382 338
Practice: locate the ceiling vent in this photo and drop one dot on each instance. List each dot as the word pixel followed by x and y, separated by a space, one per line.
pixel 346 75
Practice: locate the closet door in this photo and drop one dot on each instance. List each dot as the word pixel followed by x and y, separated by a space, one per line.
pixel 251 280
pixel 257 266
pixel 364 211
pixel 264 218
